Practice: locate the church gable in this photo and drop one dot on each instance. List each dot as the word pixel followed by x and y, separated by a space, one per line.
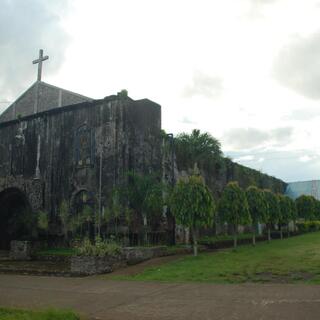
pixel 41 97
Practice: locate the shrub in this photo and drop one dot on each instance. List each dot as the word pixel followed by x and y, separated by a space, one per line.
pixel 100 248
pixel 308 226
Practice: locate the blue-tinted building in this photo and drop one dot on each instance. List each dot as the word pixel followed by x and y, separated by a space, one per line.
pixel 296 189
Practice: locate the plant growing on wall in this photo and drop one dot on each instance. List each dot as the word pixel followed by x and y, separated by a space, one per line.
pixel 43 221
pixel 233 208
pixel 273 210
pixel 193 206
pixel 257 208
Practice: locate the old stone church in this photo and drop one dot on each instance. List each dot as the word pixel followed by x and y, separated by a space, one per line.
pixel 58 145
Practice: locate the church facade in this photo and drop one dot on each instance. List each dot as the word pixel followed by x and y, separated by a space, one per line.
pixel 75 153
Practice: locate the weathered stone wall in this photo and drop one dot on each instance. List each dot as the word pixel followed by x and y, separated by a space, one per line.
pixel 40 97
pixel 31 188
pixel 217 177
pixel 62 149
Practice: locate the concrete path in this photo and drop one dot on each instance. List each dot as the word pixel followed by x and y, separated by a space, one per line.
pixel 105 299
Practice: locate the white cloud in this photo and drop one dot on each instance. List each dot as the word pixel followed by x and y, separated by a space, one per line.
pixel 220 54
pixel 26 27
pixel 298 66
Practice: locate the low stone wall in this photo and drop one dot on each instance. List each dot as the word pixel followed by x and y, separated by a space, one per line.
pixel 89 265
pixel 134 255
pixel 20 250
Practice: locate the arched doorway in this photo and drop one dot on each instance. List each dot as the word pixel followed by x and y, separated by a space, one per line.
pixel 17 222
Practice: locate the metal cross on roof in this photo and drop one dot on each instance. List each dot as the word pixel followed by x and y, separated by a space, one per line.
pixel 39 61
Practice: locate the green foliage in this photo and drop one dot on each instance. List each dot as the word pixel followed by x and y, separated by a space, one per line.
pixel 317 209
pixel 233 206
pixel 123 93
pixel 43 220
pixel 144 194
pixel 197 148
pixel 257 205
pixel 306 206
pixel 64 252
pixel 294 211
pixel 272 205
pixel 100 248
pixel 192 203
pixel 285 209
pixel 18 314
pixel 222 238
pixel 308 226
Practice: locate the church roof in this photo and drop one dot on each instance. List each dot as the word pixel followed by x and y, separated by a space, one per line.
pixel 41 97
pixel 297 189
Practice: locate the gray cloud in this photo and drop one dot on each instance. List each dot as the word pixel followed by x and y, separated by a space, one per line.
pixel 256 8
pixel 204 85
pixel 286 165
pixel 187 120
pixel 303 114
pixel 26 26
pixel 249 138
pixel 298 66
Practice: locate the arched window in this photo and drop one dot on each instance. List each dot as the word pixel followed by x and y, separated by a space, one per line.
pixel 84 146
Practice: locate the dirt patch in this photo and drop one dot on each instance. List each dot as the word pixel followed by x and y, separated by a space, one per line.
pixel 139 268
pixel 35 267
pixel 282 278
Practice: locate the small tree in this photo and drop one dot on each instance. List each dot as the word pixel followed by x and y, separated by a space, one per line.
pixel 317 209
pixel 306 207
pixel 144 194
pixel 285 212
pixel 257 208
pixel 192 205
pixel 233 208
pixel 273 210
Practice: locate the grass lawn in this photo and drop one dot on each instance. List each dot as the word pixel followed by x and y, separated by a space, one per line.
pixel 296 259
pixel 57 252
pixel 17 314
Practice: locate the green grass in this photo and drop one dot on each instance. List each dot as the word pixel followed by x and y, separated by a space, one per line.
pixel 296 259
pixel 57 252
pixel 17 314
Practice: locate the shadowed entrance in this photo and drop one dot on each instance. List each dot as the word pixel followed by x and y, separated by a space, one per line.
pixel 16 218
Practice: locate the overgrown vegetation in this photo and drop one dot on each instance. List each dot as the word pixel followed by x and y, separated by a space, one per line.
pixel 138 204
pixel 99 248
pixel 18 314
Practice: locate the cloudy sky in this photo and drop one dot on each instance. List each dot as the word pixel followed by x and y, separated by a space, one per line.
pixel 247 71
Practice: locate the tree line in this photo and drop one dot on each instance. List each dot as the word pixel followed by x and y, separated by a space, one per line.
pixel 194 206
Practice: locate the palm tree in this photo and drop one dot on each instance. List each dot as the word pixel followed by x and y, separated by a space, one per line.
pixel 197 150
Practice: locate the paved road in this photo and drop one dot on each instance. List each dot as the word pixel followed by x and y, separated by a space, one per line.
pixel 106 299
